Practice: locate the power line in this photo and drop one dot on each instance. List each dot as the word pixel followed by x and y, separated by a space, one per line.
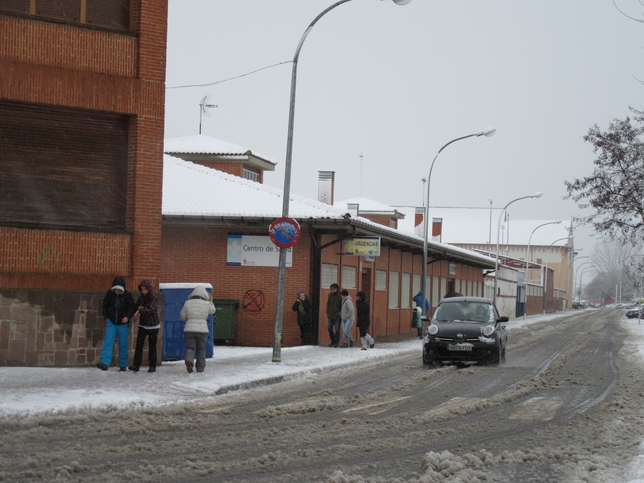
pixel 230 78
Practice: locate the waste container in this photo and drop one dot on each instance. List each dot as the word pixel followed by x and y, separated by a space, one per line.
pixel 416 321
pixel 225 320
pixel 174 296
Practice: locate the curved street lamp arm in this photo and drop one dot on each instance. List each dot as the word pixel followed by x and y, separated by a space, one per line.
pixel 423 283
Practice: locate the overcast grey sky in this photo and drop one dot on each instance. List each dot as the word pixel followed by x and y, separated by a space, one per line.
pixel 396 83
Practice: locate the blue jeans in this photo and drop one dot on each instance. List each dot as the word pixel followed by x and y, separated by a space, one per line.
pixel 333 326
pixel 111 332
pixel 346 330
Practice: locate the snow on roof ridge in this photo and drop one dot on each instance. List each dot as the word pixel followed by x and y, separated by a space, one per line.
pixel 332 210
pixel 203 144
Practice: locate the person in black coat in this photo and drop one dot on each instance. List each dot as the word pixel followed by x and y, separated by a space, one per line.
pixel 362 307
pixel 148 310
pixel 118 309
pixel 304 317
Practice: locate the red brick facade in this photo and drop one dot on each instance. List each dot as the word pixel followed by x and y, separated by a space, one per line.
pixel 198 254
pixel 76 66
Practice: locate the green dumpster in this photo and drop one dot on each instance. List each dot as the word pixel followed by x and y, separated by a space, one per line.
pixel 225 320
pixel 416 321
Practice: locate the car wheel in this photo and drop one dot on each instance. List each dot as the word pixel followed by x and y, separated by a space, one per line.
pixel 495 358
pixel 502 358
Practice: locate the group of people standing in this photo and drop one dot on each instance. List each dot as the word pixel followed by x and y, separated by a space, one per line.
pixel 119 310
pixel 340 314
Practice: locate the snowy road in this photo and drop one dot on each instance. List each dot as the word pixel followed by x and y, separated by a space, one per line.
pixel 565 407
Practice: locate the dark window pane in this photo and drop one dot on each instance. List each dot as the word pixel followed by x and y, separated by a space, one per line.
pixel 109 13
pixel 19 6
pixel 62 168
pixel 68 10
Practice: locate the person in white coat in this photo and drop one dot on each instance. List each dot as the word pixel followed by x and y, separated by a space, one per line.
pixel 347 314
pixel 195 313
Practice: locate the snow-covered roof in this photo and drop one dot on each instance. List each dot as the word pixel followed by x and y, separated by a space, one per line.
pixel 192 190
pixel 368 206
pixel 202 144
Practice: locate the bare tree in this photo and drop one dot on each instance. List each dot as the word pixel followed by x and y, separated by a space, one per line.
pixel 615 189
pixel 618 269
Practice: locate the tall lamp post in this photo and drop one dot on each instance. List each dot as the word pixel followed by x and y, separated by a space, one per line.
pixel 581 265
pixel 281 272
pixel 580 278
pixel 538 194
pixel 427 222
pixel 527 255
pixel 545 270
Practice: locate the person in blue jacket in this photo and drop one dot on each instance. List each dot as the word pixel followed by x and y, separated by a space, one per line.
pixel 418 301
pixel 118 309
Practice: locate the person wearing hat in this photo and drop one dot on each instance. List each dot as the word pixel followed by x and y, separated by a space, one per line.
pixel 118 309
pixel 304 317
pixel 195 312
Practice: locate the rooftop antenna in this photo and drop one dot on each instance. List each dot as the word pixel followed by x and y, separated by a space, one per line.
pixel 203 108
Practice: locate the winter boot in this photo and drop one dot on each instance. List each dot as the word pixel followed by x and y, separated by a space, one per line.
pixel 350 343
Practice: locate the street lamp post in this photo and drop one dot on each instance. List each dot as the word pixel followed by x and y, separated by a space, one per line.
pixel 281 272
pixel 545 270
pixel 580 279
pixel 538 194
pixel 527 256
pixel 427 222
pixel 581 265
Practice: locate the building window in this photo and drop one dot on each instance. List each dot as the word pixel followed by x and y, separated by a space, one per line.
pixel 251 175
pixel 469 288
pixel 405 296
pixel 443 287
pixel 63 168
pixel 348 277
pixel 112 14
pixel 381 280
pixel 435 300
pixel 415 284
pixel 393 290
pixel 329 274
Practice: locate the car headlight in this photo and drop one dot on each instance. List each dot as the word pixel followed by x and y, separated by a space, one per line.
pixel 433 329
pixel 488 330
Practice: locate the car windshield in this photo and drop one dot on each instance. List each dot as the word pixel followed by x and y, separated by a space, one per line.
pixel 478 312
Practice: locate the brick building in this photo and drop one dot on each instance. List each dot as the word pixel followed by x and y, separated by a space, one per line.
pixel 81 117
pixel 214 235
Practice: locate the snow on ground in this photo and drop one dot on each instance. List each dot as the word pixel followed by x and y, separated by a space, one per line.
pixel 30 391
pixel 26 391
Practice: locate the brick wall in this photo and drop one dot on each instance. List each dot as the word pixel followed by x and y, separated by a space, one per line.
pixel 71 66
pixel 199 254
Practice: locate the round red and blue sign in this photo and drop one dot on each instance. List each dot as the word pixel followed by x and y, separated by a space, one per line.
pixel 284 232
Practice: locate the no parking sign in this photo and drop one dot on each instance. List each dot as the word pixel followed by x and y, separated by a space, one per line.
pixel 284 232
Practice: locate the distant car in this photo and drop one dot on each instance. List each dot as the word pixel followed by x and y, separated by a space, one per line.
pixel 634 313
pixel 465 329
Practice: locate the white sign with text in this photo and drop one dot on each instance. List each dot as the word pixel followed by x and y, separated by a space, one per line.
pixel 254 251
